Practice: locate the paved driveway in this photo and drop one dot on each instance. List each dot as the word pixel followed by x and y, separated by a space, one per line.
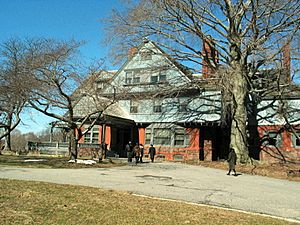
pixel 181 182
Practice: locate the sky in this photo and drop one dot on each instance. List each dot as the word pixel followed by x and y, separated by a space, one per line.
pixel 58 19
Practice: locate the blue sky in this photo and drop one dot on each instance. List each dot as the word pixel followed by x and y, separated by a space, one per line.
pixel 58 19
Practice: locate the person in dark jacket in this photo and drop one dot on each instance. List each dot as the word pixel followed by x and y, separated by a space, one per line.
pixel 232 161
pixel 152 153
pixel 129 150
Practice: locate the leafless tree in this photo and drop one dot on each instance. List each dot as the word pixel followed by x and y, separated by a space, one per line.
pixel 14 86
pixel 61 83
pixel 249 36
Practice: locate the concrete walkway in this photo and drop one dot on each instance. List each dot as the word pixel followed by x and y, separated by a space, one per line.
pixel 181 182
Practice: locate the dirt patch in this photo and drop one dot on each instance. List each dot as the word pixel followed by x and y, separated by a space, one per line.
pixel 288 171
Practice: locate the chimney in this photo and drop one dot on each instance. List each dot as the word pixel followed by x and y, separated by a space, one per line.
pixel 132 51
pixel 210 58
pixel 286 63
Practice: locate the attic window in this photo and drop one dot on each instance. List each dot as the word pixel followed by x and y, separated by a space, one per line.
pixel 157 109
pixel 154 79
pixel 146 55
pixel 134 106
pixel 132 77
pixel 160 78
pixel 183 107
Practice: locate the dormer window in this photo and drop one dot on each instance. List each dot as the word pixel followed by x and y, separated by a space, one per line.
pixel 183 107
pixel 162 77
pixel 128 80
pixel 136 80
pixel 146 55
pixel 157 109
pixel 132 77
pixel 158 78
pixel 154 79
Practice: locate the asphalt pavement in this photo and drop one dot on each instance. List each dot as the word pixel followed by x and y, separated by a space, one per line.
pixel 182 182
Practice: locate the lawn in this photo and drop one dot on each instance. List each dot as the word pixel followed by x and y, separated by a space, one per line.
pixel 26 202
pixel 51 162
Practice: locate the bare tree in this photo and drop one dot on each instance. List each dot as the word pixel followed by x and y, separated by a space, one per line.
pixel 14 86
pixel 248 36
pixel 61 83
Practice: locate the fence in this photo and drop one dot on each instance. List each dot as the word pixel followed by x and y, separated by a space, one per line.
pixel 56 148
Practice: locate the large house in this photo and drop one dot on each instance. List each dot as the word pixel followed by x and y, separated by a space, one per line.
pixel 158 101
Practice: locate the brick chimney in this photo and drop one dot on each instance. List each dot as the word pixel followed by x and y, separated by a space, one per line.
pixel 132 51
pixel 210 57
pixel 286 62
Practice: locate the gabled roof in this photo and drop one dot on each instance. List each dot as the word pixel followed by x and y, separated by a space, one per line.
pixel 183 69
pixel 96 77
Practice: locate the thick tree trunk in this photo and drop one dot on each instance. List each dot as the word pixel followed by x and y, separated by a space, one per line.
pixel 73 145
pixel 7 145
pixel 238 137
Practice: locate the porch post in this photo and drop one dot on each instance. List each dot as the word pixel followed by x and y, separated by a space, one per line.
pixel 103 141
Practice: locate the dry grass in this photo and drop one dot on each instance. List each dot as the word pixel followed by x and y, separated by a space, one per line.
pixel 24 202
pixel 275 170
pixel 52 162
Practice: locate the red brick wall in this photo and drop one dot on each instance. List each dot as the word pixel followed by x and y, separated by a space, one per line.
pixel 191 152
pixel 286 151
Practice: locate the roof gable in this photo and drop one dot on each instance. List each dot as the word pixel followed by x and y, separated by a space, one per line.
pixel 147 66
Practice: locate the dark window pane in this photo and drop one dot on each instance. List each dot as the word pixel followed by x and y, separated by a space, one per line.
pixel 154 79
pixel 157 108
pixel 162 78
pixel 133 109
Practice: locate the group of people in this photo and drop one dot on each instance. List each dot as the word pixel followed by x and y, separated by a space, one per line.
pixel 137 152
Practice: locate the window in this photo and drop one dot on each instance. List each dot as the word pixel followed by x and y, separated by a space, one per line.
pixel 274 139
pixel 162 78
pixel 161 136
pixel 295 140
pixel 183 107
pixel 179 137
pixel 154 79
pixel 174 136
pixel 148 136
pixel 157 108
pixel 133 109
pixel 87 137
pixel 136 80
pixel 95 135
pixel 128 80
pixel 92 136
pixel 128 77
pixel 132 77
pixel 146 55
pixel 134 106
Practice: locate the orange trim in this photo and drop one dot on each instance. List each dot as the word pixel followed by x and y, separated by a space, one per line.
pixel 142 133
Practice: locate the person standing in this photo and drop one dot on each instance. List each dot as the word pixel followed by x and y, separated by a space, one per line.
pixel 152 152
pixel 142 152
pixel 232 161
pixel 137 153
pixel 129 149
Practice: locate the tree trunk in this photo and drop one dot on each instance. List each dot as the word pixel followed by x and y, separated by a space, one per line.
pixel 7 145
pixel 73 145
pixel 238 137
